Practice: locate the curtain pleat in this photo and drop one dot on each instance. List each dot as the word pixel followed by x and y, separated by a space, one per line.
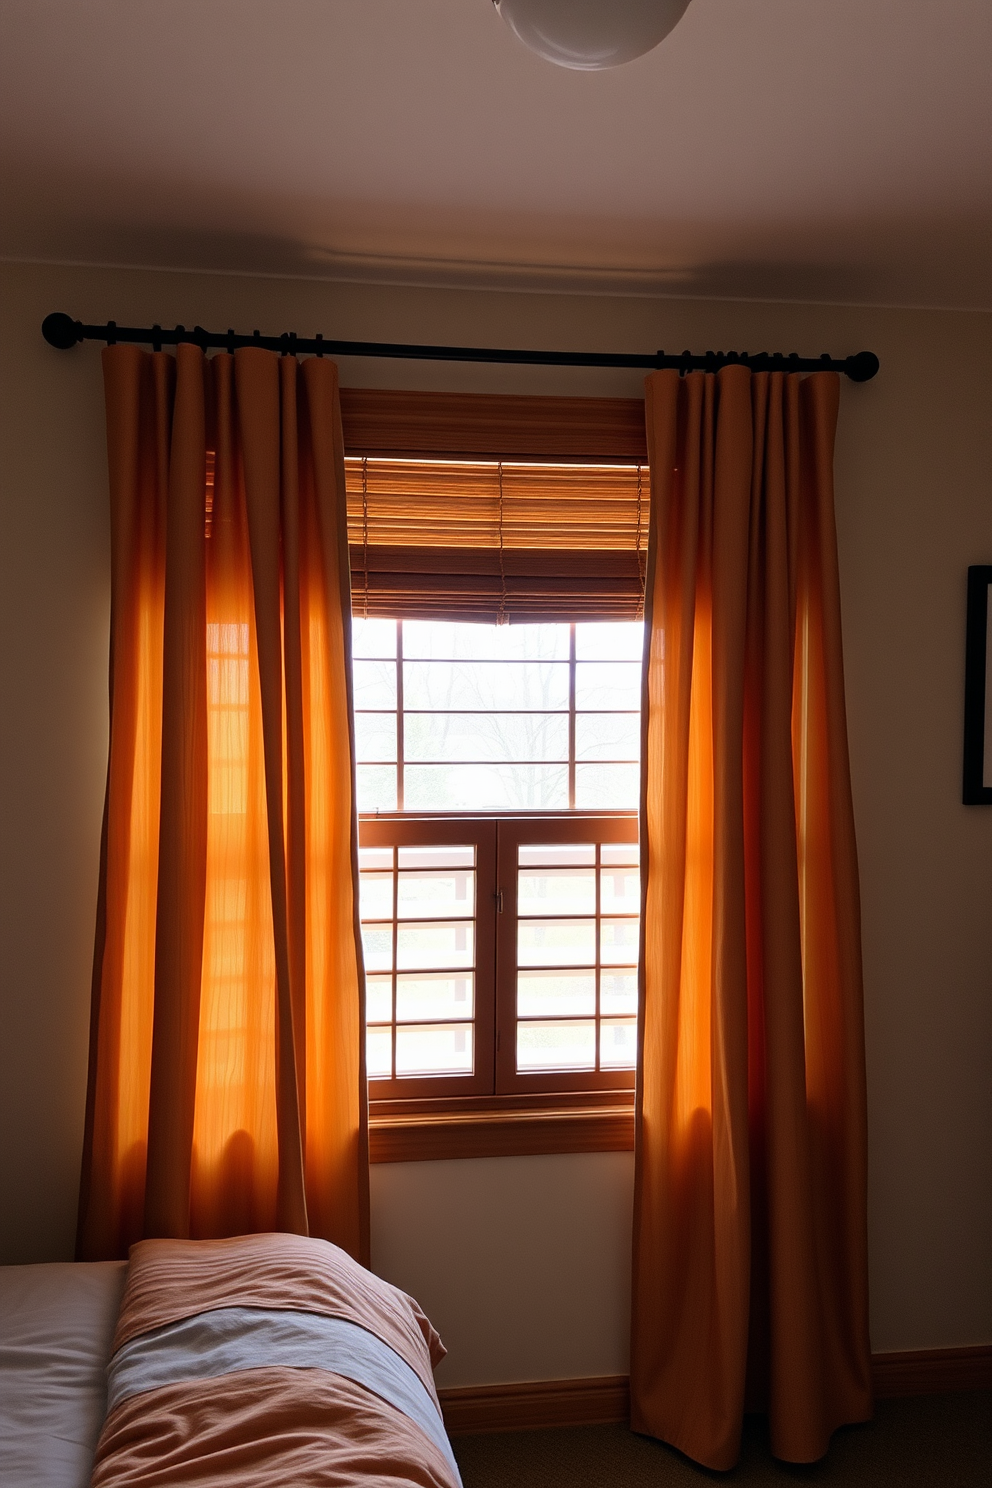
pixel 260 395
pixel 226 1090
pixel 749 1235
pixel 182 815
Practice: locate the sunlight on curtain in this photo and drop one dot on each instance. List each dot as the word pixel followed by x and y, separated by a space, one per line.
pixel 235 1153
pixel 226 1087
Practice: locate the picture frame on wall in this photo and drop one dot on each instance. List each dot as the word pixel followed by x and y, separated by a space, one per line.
pixel 978 689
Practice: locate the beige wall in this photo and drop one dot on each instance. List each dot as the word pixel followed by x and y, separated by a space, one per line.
pixel 524 1261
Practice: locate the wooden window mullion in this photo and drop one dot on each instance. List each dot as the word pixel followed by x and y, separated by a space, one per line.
pixel 400 724
pixel 571 716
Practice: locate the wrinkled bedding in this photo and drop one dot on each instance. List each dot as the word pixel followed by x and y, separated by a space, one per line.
pixel 265 1360
pixel 56 1327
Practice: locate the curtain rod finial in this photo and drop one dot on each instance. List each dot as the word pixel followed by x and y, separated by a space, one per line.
pixel 862 366
pixel 61 331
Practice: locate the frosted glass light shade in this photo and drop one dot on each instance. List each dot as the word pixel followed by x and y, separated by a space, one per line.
pixel 591 34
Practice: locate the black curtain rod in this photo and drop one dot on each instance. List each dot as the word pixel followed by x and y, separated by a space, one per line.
pixel 63 332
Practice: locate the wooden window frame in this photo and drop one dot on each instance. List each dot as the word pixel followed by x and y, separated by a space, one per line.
pixel 497 1111
pixel 402 423
pixel 492 426
pixel 398 830
pixel 515 832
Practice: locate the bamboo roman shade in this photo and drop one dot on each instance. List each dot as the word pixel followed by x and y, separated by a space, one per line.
pixel 486 506
pixel 492 540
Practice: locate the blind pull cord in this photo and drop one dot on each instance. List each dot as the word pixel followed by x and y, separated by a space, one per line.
pixel 501 617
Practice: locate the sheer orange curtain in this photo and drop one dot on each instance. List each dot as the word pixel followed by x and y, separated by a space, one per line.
pixel 750 1272
pixel 227 1075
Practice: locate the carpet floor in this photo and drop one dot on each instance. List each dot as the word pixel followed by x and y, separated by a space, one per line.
pixel 940 1441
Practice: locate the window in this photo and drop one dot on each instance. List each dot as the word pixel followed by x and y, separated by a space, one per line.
pixel 500 902
pixel 498 775
pixel 461 717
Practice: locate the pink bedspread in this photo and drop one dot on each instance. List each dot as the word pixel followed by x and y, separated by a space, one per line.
pixel 206 1422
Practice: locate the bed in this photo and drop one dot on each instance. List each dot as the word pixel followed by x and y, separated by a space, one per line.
pixel 262 1360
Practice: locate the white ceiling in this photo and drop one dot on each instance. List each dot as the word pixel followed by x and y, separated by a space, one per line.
pixel 836 150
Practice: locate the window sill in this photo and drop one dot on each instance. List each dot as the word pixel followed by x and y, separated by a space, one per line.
pixel 507 1126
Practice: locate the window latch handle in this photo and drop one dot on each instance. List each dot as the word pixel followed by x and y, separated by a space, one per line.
pixel 498 896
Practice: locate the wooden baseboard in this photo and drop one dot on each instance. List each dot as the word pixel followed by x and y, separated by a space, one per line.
pixel 536 1404
pixel 931 1371
pixel 533 1405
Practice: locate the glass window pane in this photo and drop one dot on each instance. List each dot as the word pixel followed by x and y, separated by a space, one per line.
pixel 564 891
pixel 435 947
pixel 229 640
pixel 227 680
pixel 379 1053
pixel 551 1046
pixel 555 854
pixel 618 1044
pixel 620 890
pixel 376 896
pixel 485 736
pixel 609 686
pixel 375 787
pixel 607 736
pixel 486 787
pixel 612 640
pixel 619 852
pixel 543 992
pixel 377 944
pixel 556 943
pixel 443 855
pixel 466 642
pixel 373 637
pixel 378 999
pixel 450 893
pixel 435 1049
pixel 617 787
pixel 375 857
pixel 375 736
pixel 618 992
pixel 485 685
pixel 434 997
pixel 618 942
pixel 374 683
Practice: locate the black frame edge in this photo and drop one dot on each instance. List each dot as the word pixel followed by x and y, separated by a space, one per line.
pixel 974 791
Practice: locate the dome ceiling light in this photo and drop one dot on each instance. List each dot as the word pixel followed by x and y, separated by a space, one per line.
pixel 591 34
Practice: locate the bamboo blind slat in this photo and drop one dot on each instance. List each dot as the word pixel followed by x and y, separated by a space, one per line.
pixel 496 540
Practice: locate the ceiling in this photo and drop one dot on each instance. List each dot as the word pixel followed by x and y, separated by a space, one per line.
pixel 831 150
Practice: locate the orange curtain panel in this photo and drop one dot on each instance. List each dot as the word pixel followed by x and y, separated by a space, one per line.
pixel 750 1269
pixel 227 1077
